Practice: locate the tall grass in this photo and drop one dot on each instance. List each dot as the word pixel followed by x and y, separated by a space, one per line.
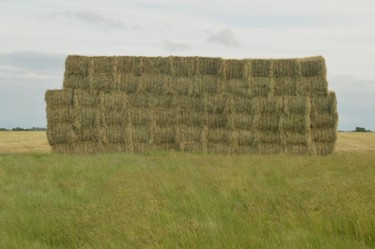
pixel 183 200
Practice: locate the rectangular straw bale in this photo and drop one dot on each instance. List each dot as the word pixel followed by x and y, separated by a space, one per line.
pixel 117 134
pixel 209 66
pixel 185 66
pixel 286 86
pixel 261 68
pixel 165 135
pixel 299 123
pixel 313 66
pixel 164 101
pixel 130 65
pixel 243 121
pixel 217 120
pixel 297 105
pixel 140 116
pixel 58 115
pixel 323 149
pixel 324 134
pixel 86 98
pixel 103 64
pixel 285 68
pixel 143 100
pixel 260 87
pixel 76 72
pixel 214 103
pixel 60 133
pixel 120 117
pixel 218 135
pixel 166 117
pixel 59 98
pixel 234 69
pixel 242 104
pixel 115 101
pixel 268 122
pixel 76 81
pixel 295 138
pixel 141 134
pixel 102 73
pixel 246 138
pixel 266 105
pixel 190 133
pixel 85 116
pixel 158 84
pixel 157 65
pixel 271 137
pixel 209 84
pixel 129 83
pixel 191 118
pixel 79 65
pixel 239 87
pixel 323 120
pixel 312 86
pixel 182 85
pixel 324 104
pixel 194 103
pixel 268 148
pixel 88 133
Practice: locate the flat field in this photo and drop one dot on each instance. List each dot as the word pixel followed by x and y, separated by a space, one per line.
pixel 186 200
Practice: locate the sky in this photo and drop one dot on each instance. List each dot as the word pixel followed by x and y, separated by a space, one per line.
pixel 37 35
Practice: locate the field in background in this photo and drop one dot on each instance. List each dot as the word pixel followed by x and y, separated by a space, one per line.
pixel 186 200
pixel 36 141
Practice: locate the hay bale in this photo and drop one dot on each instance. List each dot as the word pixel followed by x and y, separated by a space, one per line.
pixel 134 104
pixel 285 68
pixel 313 67
pixel 59 98
pixel 76 72
pixel 261 68
pixel 260 87
pixel 286 86
pixel 62 133
pixel 312 86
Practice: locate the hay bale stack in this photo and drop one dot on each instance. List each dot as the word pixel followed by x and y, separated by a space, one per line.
pixel 134 104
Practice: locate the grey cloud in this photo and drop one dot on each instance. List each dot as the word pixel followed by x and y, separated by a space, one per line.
pixel 225 38
pixel 93 19
pixel 174 46
pixel 24 78
pixel 36 62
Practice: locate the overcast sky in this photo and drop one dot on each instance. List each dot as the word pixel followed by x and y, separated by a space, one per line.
pixel 37 35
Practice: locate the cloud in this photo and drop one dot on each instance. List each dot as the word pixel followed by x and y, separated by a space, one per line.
pixel 225 38
pixel 32 61
pixel 93 19
pixel 174 46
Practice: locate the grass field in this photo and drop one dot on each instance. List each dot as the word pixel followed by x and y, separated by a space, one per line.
pixel 186 200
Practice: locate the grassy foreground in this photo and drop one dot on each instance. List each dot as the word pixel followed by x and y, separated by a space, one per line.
pixel 184 200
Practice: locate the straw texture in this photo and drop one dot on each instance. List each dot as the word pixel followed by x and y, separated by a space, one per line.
pixel 135 104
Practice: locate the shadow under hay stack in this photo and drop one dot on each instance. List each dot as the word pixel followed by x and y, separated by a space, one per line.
pixel 134 104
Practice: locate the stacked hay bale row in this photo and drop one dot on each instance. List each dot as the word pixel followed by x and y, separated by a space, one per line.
pixel 192 104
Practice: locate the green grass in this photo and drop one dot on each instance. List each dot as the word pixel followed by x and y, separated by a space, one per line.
pixel 184 200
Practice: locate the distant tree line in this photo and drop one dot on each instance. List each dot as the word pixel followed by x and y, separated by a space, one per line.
pixel 361 129
pixel 22 129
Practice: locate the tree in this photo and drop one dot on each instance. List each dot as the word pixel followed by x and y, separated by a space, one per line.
pixel 360 129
